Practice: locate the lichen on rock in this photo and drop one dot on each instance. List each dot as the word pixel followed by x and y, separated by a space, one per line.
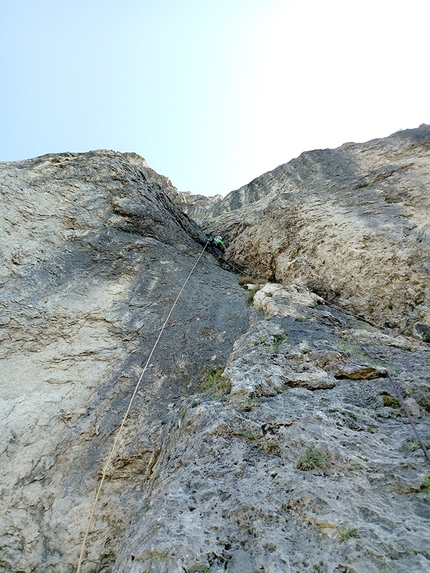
pixel 264 436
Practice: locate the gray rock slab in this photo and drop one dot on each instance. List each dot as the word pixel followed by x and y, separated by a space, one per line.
pixel 350 223
pixel 245 449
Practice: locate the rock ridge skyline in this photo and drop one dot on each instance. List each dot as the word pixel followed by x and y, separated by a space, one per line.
pixel 266 436
pixel 352 223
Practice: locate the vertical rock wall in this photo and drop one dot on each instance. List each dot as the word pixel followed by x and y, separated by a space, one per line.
pixel 264 436
pixel 93 256
pixel 351 223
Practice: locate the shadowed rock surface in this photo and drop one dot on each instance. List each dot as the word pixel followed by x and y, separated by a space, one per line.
pixel 93 256
pixel 291 464
pixel 265 437
pixel 353 224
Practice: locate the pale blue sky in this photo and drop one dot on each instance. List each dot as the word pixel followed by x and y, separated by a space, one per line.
pixel 211 92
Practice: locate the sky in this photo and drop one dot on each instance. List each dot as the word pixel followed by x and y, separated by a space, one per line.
pixel 213 93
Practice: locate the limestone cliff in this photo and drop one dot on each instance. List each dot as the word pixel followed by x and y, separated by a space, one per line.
pixel 266 435
pixel 93 253
pixel 353 224
pixel 197 206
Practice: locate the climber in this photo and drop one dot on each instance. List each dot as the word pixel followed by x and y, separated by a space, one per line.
pixel 216 245
pixel 220 244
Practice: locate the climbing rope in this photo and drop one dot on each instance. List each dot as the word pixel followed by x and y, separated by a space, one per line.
pixel 391 379
pixel 230 264
pixel 106 466
pixel 218 255
pixel 406 410
pixel 402 402
pixel 372 323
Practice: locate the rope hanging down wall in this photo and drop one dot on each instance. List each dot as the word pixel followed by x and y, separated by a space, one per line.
pixel 109 459
pixel 401 401
pixel 391 379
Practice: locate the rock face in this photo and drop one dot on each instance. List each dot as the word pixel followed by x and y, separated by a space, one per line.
pixel 353 224
pixel 197 206
pixel 264 437
pixel 298 460
pixel 93 256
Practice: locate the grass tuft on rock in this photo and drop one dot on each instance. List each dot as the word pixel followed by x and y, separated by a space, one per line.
pixel 390 401
pixel 270 447
pixel 346 533
pixel 251 297
pixel 250 403
pixel 215 382
pixel 278 339
pixel 213 375
pixel 426 483
pixel 310 460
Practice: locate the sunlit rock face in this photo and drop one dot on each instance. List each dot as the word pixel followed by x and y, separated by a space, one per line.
pixel 353 224
pixel 265 435
pixel 197 206
pixel 93 255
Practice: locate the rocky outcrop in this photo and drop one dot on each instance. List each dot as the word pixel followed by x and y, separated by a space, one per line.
pixel 289 463
pixel 197 206
pixel 93 255
pixel 153 178
pixel 264 436
pixel 353 224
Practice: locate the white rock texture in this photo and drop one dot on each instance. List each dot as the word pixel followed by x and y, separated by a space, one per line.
pixel 93 254
pixel 234 489
pixel 197 206
pixel 352 224
pixel 295 458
